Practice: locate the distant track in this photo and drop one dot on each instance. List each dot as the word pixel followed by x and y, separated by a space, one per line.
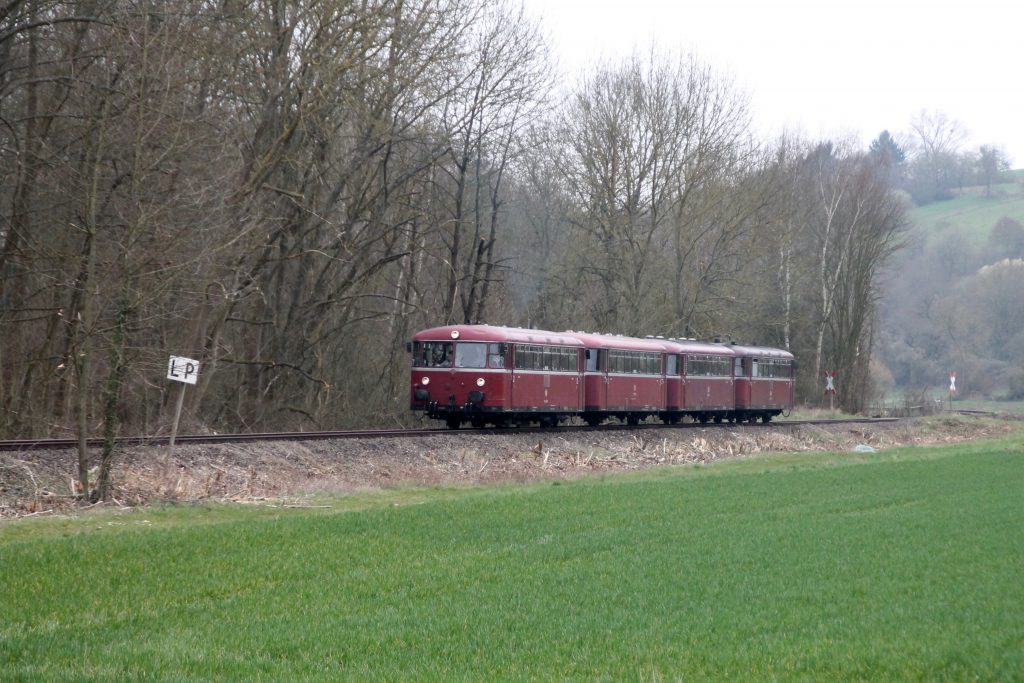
pixel 59 444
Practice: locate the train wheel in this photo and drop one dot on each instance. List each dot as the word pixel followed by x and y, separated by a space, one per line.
pixel 766 418
pixel 478 423
pixel 718 419
pixel 453 422
pixel 593 420
pixel 632 420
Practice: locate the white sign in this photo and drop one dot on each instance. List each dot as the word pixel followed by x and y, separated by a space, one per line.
pixel 952 382
pixel 183 370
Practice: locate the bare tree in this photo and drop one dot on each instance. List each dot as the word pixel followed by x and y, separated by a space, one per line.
pixel 496 91
pixel 937 140
pixel 856 223
pixel 649 151
pixel 992 163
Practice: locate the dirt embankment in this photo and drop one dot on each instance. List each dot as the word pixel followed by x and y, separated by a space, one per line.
pixel 36 482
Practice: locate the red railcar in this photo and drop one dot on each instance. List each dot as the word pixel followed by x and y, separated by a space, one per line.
pixel 624 377
pixel 483 374
pixel 700 381
pixel 765 379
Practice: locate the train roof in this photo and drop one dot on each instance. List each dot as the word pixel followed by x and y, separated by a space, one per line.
pixel 518 335
pixel 615 341
pixel 493 333
pixel 759 351
pixel 694 346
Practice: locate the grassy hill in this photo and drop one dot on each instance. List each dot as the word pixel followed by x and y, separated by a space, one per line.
pixel 972 213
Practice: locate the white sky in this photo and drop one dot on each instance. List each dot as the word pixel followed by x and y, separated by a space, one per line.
pixel 826 67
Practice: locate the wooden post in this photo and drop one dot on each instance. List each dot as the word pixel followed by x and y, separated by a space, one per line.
pixel 177 414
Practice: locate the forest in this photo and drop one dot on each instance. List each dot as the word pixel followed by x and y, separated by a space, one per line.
pixel 287 191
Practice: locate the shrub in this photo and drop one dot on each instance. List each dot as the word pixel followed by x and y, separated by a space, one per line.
pixel 1015 382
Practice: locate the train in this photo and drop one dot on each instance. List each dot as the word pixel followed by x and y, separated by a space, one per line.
pixel 505 376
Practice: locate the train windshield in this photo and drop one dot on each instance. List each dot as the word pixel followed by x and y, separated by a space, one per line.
pixel 470 355
pixel 430 354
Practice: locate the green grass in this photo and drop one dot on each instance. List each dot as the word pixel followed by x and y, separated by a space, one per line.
pixel 903 565
pixel 972 214
pixel 989 405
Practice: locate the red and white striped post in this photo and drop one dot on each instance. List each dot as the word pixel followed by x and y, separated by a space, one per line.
pixel 830 388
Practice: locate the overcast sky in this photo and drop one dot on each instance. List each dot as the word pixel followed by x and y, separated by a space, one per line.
pixel 827 67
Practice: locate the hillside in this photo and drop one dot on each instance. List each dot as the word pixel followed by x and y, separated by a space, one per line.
pixel 972 214
pixel 947 308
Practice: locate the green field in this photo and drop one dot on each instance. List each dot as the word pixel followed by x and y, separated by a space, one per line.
pixel 904 565
pixel 971 214
pixel 990 406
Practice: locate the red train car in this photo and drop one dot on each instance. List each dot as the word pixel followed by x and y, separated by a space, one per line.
pixel 624 378
pixel 484 374
pixel 765 379
pixel 700 384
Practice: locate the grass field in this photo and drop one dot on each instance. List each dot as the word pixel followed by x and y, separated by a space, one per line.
pixel 992 406
pixel 972 214
pixel 904 565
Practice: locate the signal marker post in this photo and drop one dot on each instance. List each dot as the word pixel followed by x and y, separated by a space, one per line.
pixel 952 388
pixel 186 371
pixel 830 388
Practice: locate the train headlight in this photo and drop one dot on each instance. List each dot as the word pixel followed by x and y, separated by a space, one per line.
pixel 425 381
pixel 479 381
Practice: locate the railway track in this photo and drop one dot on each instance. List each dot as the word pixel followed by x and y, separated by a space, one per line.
pixel 60 444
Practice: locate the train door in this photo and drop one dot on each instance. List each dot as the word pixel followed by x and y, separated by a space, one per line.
pixel 595 394
pixel 742 383
pixel 760 386
pixel 581 379
pixel 673 382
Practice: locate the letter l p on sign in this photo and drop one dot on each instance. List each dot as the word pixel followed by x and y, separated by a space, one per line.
pixel 183 370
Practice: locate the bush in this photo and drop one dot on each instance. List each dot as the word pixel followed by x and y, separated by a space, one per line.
pixel 1015 382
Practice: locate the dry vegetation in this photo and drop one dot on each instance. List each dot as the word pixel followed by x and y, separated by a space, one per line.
pixel 39 482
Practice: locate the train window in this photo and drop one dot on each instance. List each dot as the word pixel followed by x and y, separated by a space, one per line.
pixel 754 369
pixel 546 358
pixel 496 355
pixel 781 367
pixel 707 366
pixel 470 355
pixel 432 354
pixel 591 355
pixel 634 362
pixel 737 367
pixel 671 364
pixel 522 357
